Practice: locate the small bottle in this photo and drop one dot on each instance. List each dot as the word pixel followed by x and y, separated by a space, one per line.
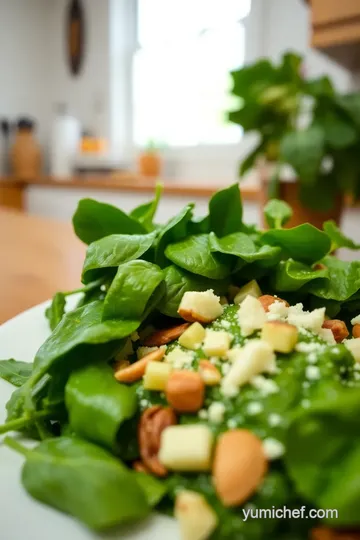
pixel 25 154
pixel 149 162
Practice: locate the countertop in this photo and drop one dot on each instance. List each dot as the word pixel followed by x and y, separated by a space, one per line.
pixel 38 258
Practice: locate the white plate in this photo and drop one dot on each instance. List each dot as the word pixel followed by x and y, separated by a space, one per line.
pixel 21 517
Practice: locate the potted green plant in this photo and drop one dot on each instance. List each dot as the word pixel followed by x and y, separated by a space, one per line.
pixel 305 124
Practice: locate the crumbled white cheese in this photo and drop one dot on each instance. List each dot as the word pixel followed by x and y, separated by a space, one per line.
pixel 143 351
pixel 254 408
pixel 307 348
pixel 231 424
pixel 203 414
pixel 214 360
pixel 353 345
pixel 274 420
pixel 265 386
pixel 312 373
pixel 179 358
pixel 273 448
pixel 327 335
pixel 305 403
pixel 144 403
pixel 200 306
pixel 254 358
pixel 277 311
pixel 312 358
pixel 216 343
pixel 310 320
pixel 226 324
pixel 233 353
pixel 216 412
pixel 225 367
pixel 355 320
pixel 251 315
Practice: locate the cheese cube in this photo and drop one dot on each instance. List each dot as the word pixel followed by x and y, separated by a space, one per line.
pixel 193 336
pixel 355 320
pixel 255 357
pixel 282 337
pixel 197 520
pixel 186 448
pixel 250 289
pixel 216 343
pixel 353 345
pixel 251 315
pixel 203 307
pixel 156 376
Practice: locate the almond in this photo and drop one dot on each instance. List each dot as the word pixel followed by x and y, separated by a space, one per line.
pixel 239 466
pixel 266 301
pixel 135 371
pixel 338 328
pixel 209 373
pixel 162 337
pixel 356 331
pixel 185 391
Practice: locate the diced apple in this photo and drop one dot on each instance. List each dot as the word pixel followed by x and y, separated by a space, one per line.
pixel 280 335
pixel 216 343
pixel 197 520
pixel 251 288
pixel 353 345
pixel 186 448
pixel 193 336
pixel 251 315
pixel 156 376
pixel 203 307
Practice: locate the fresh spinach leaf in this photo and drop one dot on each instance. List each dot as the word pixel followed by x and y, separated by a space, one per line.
pixel 199 225
pixel 154 489
pixel 175 229
pixel 178 281
pixel 242 246
pixel 55 312
pixel 323 454
pixel 113 250
pixel 94 220
pixel 277 213
pixel 291 275
pixel 338 239
pixel 145 213
pixel 15 372
pixel 98 405
pixel 304 243
pixel 82 480
pixel 193 254
pixel 344 280
pixel 225 211
pixel 133 293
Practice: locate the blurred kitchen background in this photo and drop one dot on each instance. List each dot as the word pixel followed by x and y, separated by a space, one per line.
pixel 98 98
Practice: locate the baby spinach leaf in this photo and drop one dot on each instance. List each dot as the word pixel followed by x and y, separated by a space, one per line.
pixel 193 254
pixel 199 225
pixel 153 489
pixel 174 230
pixel 304 243
pixel 277 213
pixel 55 312
pixel 242 246
pixel 344 280
pixel 15 372
pixel 94 220
pixel 225 211
pixel 291 275
pixel 81 337
pixel 178 281
pixel 132 294
pixel 98 405
pixel 323 454
pixel 338 239
pixel 82 480
pixel 113 250
pixel 145 213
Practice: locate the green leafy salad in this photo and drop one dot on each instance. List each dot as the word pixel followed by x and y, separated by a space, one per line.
pixel 209 368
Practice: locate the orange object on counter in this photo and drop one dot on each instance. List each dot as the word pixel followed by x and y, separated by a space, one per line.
pixel 149 162
pixel 93 145
pixel 25 154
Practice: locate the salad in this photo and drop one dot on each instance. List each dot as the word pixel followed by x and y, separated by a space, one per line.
pixel 209 369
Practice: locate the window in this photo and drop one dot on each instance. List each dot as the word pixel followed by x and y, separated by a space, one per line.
pixel 181 81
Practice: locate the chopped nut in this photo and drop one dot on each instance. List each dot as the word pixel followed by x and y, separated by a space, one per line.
pixel 162 337
pixel 266 301
pixel 152 423
pixel 185 391
pixel 338 328
pixel 209 373
pixel 356 331
pixel 135 371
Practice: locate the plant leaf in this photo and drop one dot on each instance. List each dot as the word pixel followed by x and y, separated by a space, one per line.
pixel 15 372
pixel 338 239
pixel 304 151
pixel 277 213
pixel 145 213
pixel 291 275
pixel 344 280
pixel 55 312
pixel 193 254
pixel 98 405
pixel 304 243
pixel 94 220
pixel 113 250
pixel 174 230
pixel 132 294
pixel 225 211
